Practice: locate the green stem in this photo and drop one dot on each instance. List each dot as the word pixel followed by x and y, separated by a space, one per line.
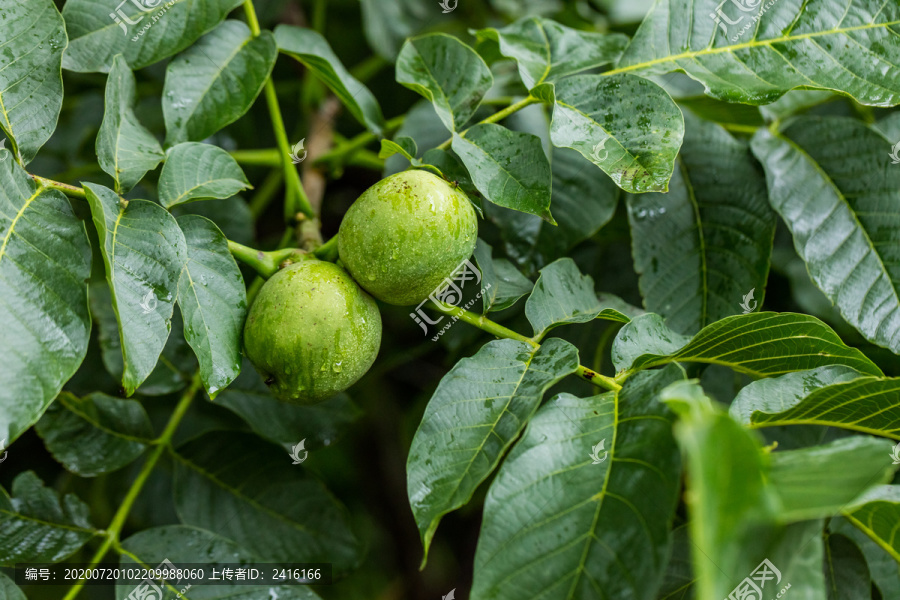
pixel 160 444
pixel 264 263
pixel 360 141
pixel 65 188
pixel 498 116
pixel 328 251
pixel 485 324
pixel 295 199
pixel 267 157
pixel 265 193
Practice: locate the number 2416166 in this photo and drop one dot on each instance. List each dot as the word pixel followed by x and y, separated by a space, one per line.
pixel 297 574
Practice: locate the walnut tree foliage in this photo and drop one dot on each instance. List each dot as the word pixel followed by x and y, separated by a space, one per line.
pixel 683 361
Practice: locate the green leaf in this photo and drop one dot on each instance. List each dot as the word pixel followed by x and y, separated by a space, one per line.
pixel 45 259
pixel 831 181
pixel 547 51
pixel 507 284
pixel 761 345
pixel 37 525
pixel 865 404
pixel 584 199
pixel 819 481
pixel 9 590
pixel 644 334
pixel 31 91
pixel 283 515
pixel 319 424
pixel 96 434
pixel 402 145
pixel 777 394
pixel 215 81
pixel 213 301
pixel 626 125
pixel 826 44
pixel 144 252
pixel 231 215
pixel 448 73
pixel 311 49
pixel 876 514
pixel 96 37
pixel 182 545
pixel 475 414
pixel 388 24
pixel 561 295
pixel 195 171
pixel 125 149
pixel 707 244
pixel 846 573
pixel 509 168
pixel 584 523
pixel 883 568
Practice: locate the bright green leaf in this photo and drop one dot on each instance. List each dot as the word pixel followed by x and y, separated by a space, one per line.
pixel 96 434
pixel 475 414
pixel 831 181
pixel 31 91
pixel 876 514
pixel 215 81
pixel 144 252
pixel 402 145
pixel 213 301
pixel 561 295
pixel 311 49
pixel 195 171
pixel 125 149
pixel 45 259
pixel 448 73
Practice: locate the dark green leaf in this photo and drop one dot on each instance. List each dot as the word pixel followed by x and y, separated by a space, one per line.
pixel 584 199
pixel 831 181
pixel 883 568
pixel 557 523
pixel 706 245
pixel 195 171
pixel 846 574
pixel 37 525
pixel 182 545
pixel 231 215
pixel 561 295
pixel 509 168
pixel 819 481
pixel 319 424
pixel 215 81
pixel 311 49
pixel 248 491
pixel 98 31
pixel 213 301
pixel 31 91
pixel 876 514
pixel 547 51
pixel 96 434
pixel 388 24
pixel 772 48
pixel 476 412
pixel 9 590
pixel 144 252
pixel 125 149
pixel 626 125
pixel 45 259
pixel 760 344
pixel 507 284
pixel 448 73
pixel 642 335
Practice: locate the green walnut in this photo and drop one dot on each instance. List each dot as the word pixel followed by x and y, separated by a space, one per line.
pixel 405 234
pixel 311 332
